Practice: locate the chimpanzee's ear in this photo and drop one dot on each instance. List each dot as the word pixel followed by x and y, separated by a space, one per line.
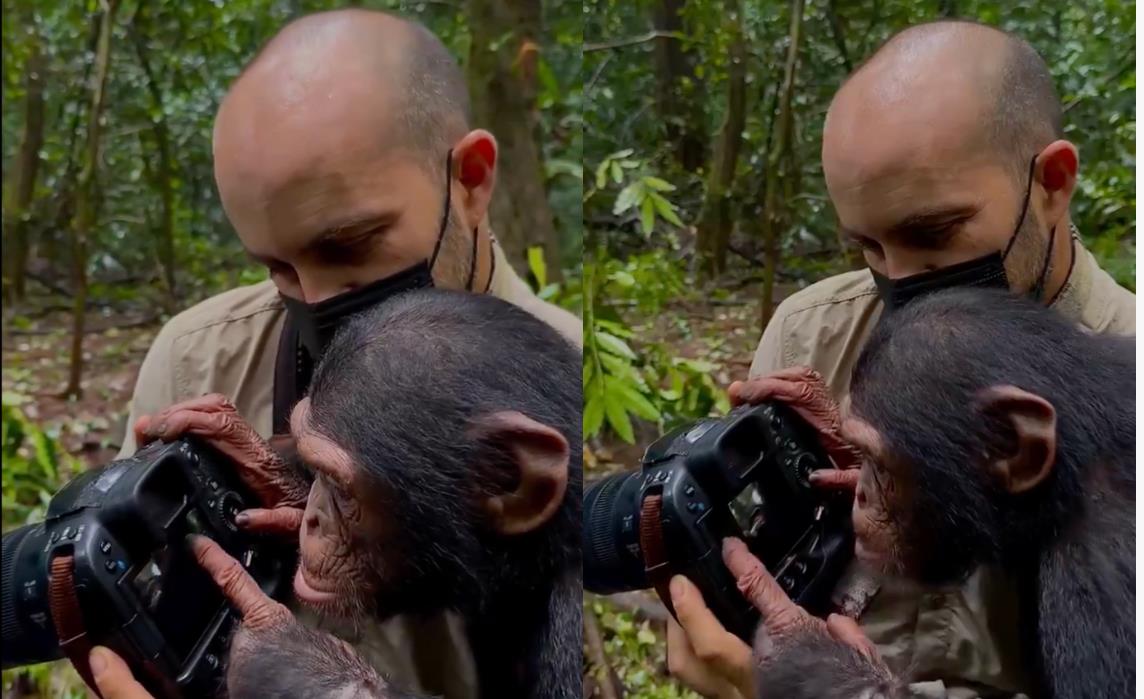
pixel 539 454
pixel 1032 449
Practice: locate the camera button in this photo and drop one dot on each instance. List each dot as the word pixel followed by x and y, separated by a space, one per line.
pixel 689 491
pixel 114 566
pixel 211 661
pixel 213 484
pixel 696 507
pixel 104 546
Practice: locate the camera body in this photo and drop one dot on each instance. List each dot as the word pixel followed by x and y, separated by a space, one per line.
pixel 744 475
pixel 138 587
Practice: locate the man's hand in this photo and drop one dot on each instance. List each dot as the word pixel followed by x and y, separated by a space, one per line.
pixel 113 678
pixel 805 392
pixel 716 663
pixel 212 418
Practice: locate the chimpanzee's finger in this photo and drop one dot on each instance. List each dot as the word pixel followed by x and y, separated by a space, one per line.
pixel 258 611
pixel 142 429
pixel 280 520
pixel 761 589
pixel 846 630
pixel 210 403
pixel 113 677
pixel 836 479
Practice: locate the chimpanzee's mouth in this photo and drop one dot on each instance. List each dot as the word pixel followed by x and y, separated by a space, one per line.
pixel 309 593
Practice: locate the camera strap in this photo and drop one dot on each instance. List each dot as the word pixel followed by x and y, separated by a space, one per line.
pixel 68 618
pixel 654 551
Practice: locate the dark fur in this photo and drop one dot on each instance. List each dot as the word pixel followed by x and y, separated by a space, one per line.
pixel 293 661
pixel 1069 541
pixel 812 665
pixel 403 386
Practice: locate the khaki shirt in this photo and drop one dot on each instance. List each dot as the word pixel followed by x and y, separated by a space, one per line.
pixel 959 641
pixel 228 344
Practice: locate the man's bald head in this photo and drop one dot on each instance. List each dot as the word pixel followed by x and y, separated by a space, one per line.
pixel 424 105
pixel 997 75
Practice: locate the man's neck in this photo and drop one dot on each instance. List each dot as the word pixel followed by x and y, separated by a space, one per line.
pixel 1062 263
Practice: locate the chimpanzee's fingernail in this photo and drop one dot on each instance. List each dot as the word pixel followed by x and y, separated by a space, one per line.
pixel 814 477
pixel 242 519
pixel 162 428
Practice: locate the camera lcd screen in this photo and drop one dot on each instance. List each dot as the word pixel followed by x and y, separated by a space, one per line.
pixel 180 596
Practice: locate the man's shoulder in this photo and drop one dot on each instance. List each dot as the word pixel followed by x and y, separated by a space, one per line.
pixel 244 305
pixel 835 296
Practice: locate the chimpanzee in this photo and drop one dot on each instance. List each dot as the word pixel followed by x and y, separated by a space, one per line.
pixel 442 431
pixel 993 432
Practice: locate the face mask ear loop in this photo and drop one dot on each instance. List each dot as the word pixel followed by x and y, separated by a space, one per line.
pixel 492 261
pixel 445 214
pixel 1040 288
pixel 472 262
pixel 1024 209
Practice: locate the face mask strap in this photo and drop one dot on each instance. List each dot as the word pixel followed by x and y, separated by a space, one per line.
pixel 445 215
pixel 492 261
pixel 1024 209
pixel 1039 290
pixel 472 261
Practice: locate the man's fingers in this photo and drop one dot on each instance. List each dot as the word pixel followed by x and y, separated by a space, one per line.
pixel 711 643
pixel 280 520
pixel 846 630
pixel 836 479
pixel 257 610
pixel 112 676
pixel 684 666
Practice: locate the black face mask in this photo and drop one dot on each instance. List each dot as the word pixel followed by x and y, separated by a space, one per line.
pixel 985 271
pixel 318 322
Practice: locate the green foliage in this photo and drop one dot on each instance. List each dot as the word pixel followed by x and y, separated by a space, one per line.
pixel 34 466
pixel 635 652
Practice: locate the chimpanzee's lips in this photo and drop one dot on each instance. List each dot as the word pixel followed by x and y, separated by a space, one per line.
pixel 308 593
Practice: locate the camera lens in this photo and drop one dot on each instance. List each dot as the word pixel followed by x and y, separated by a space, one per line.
pixel 28 634
pixel 611 535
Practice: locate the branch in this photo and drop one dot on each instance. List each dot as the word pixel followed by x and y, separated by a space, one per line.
pixel 595 642
pixel 632 41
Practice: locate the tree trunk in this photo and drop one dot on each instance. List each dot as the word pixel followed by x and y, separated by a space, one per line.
pixel 21 184
pixel 680 110
pixel 163 174
pixel 775 157
pixel 715 220
pixel 85 209
pixel 502 82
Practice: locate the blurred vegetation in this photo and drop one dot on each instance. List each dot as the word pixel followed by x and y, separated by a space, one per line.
pixel 705 203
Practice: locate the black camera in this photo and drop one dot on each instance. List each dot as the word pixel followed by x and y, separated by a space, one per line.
pixel 111 560
pixel 744 475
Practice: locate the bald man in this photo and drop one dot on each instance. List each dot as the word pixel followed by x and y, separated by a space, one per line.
pixel 945 160
pixel 347 164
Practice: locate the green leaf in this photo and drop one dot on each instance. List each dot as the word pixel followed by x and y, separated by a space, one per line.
pixel 610 343
pixel 536 265
pixel 617 173
pixel 637 403
pixel 665 209
pixel 647 216
pixel 659 185
pixel 593 416
pixel 621 154
pixel 602 175
pixel 618 417
pixel 629 197
pixel 623 278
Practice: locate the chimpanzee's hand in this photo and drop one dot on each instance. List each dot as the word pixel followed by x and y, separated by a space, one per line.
pixel 272 655
pixel 212 418
pixel 805 392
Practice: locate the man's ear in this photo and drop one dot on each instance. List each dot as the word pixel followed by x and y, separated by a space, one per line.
pixel 1056 170
pixel 538 456
pixel 475 165
pixel 1032 424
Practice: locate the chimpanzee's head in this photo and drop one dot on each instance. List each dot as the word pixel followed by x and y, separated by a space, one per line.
pixel 443 429
pixel 979 414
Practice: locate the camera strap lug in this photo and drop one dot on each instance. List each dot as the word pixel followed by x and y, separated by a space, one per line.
pixel 68 618
pixel 654 552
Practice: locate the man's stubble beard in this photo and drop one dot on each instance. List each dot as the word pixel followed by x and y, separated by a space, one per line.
pixel 1026 261
pixel 455 259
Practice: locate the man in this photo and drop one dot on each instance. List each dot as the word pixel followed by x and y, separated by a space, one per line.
pixel 346 163
pixel 944 159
